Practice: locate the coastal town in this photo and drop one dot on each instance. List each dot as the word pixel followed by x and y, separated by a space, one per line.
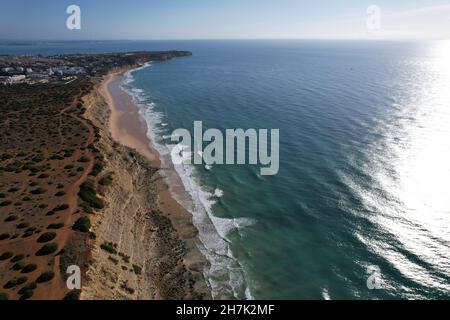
pixel 66 68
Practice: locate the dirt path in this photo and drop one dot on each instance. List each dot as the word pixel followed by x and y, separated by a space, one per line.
pixel 72 191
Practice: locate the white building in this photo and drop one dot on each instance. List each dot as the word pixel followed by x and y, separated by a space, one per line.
pixel 8 69
pixel 16 79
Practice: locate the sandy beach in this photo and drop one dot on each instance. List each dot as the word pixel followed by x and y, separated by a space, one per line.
pixel 170 223
pixel 125 124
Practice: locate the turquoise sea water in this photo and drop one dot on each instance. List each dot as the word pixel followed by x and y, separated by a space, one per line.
pixel 364 162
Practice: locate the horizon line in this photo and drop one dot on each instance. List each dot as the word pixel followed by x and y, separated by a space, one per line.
pixel 232 39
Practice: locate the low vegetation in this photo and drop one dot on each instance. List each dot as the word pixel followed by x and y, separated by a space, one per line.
pixel 47 237
pixel 45 277
pixel 109 247
pixel 98 167
pixel 106 180
pixel 18 258
pixel 83 224
pixel 89 195
pixel 47 249
pixel 137 269
pixel 4 236
pixel 73 295
pixel 3 296
pixel 6 256
pixel 29 268
pixel 55 226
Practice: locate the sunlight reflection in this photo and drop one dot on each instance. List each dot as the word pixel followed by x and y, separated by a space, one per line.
pixel 411 194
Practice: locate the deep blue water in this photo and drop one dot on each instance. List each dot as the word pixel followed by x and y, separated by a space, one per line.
pixel 364 162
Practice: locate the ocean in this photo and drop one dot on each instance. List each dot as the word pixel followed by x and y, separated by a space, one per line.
pixel 360 208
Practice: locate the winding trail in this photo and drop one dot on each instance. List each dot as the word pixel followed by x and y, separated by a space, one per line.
pixel 71 196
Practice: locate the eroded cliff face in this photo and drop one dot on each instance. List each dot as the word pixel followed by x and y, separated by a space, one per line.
pixel 136 253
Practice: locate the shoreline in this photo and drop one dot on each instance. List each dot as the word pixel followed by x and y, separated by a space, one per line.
pixel 125 124
pixel 128 128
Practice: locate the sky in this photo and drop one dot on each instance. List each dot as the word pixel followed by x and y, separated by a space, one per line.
pixel 225 19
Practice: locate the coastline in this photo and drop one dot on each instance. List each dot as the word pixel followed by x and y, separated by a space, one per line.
pixel 124 134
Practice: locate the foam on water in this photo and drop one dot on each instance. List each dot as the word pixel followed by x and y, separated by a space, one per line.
pixel 225 275
pixel 218 193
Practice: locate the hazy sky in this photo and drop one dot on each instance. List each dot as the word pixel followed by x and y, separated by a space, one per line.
pixel 232 19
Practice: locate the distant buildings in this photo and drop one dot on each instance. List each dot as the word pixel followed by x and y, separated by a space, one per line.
pixel 16 79
pixel 68 71
pixel 40 69
pixel 7 69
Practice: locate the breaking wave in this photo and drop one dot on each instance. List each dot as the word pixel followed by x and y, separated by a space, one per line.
pixel 225 275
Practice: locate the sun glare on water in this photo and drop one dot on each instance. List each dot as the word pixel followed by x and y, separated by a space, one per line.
pixel 413 174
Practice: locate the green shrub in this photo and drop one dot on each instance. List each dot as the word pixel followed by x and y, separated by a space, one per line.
pixel 31 286
pixel 61 207
pixel 98 167
pixel 47 249
pixel 38 158
pixel 55 226
pixel 113 260
pixel 73 295
pixel 13 190
pixel 83 224
pixel 5 156
pixel 27 294
pixel 6 256
pixel 125 287
pixel 106 181
pixel 21 280
pixel 33 169
pixel 19 266
pixel 87 209
pixel 88 194
pixel 18 258
pixel 2 196
pixel 43 206
pixel 137 270
pixel 27 234
pixel 43 176
pixel 38 191
pixel 10 284
pixel 60 194
pixel 23 225
pixel 29 268
pixel 46 237
pixel 109 247
pixel 124 257
pixel 4 236
pixel 11 218
pixel 5 203
pixel 45 277
pixel 84 159
pixel 4 296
